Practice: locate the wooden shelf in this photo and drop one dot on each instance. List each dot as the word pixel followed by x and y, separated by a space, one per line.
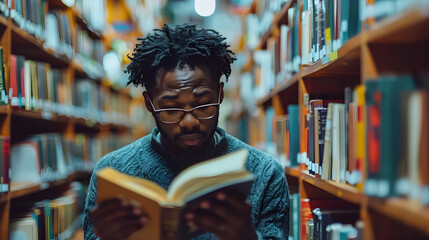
pixel 340 190
pixel 346 61
pixel 285 87
pixel 407 211
pixel 23 189
pixel 406 27
pixel 32 48
pixel 80 19
pixel 294 172
pixel 4 109
pixel 343 67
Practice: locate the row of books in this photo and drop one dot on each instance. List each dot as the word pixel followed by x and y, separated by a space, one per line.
pixel 375 138
pixel 29 15
pixel 91 12
pixel 61 38
pixel 314 34
pixel 56 218
pixel 48 157
pixel 324 219
pixel 35 85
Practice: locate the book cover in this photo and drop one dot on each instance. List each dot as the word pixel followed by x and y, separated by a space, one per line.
pixel 315 103
pixel 293 111
pixel 424 151
pixel 166 208
pixel 323 218
pixel 327 148
pixel 373 121
pixel 5 162
pixel 391 88
pixel 13 92
pixel 336 151
pixel 360 136
pixel 320 124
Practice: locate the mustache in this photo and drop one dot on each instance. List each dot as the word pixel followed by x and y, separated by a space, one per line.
pixel 186 132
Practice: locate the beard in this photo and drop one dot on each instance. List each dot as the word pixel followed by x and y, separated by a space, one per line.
pixel 171 143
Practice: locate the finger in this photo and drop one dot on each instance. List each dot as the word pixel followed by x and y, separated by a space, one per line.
pixel 114 230
pixel 207 220
pixel 107 206
pixel 124 213
pixel 235 200
pixel 221 209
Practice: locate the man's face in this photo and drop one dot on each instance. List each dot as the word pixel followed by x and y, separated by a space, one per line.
pixel 185 88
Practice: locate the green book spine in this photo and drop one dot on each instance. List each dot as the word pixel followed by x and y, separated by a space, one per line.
pixel 293 111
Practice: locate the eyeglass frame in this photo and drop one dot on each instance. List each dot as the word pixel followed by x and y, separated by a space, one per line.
pixel 184 111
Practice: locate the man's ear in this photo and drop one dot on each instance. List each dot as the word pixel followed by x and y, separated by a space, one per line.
pixel 146 102
pixel 221 92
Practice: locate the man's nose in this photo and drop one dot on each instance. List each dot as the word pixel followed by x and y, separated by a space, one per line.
pixel 189 122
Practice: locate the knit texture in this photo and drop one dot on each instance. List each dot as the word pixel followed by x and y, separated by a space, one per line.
pixel 149 159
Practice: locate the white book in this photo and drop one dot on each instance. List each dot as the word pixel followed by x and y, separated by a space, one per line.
pixel 342 142
pixel 327 151
pixel 336 153
pixel 27 84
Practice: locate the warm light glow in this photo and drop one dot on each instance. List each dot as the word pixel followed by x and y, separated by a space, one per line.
pixel 205 8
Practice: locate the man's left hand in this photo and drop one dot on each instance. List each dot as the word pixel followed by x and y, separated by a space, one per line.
pixel 226 215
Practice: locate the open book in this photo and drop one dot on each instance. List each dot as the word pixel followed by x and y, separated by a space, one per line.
pixel 166 208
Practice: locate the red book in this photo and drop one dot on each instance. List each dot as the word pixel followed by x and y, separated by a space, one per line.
pixel 14 81
pixel 6 163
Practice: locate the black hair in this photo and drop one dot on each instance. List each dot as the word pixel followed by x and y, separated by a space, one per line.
pixel 185 45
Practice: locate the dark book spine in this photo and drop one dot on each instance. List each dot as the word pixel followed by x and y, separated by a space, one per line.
pixel 321 134
pixel 6 162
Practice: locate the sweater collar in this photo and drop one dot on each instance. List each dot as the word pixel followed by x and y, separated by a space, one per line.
pixel 178 162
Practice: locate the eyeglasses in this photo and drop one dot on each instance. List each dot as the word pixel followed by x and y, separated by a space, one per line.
pixel 175 115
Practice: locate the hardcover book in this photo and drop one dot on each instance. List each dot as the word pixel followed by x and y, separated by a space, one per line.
pixel 166 209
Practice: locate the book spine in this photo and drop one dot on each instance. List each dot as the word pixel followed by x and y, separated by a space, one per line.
pixel 170 218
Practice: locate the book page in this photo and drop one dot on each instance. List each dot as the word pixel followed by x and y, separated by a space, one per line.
pixel 224 165
pixel 134 184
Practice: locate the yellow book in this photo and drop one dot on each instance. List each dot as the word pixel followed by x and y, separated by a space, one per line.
pixel 361 134
pixel 166 208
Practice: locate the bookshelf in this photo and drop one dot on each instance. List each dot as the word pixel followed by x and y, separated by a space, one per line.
pixel 389 45
pixel 84 130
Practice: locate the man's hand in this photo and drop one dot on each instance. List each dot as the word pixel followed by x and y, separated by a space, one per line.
pixel 226 215
pixel 117 219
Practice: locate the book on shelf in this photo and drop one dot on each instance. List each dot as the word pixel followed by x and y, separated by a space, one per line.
pixel 56 218
pixel 361 136
pixel 327 151
pixel 4 164
pixel 319 130
pixel 166 209
pixel 293 112
pixel 325 217
pixel 315 103
pixel 384 139
pixel 305 211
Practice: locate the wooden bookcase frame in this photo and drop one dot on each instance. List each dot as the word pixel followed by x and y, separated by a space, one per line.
pixel 15 40
pixel 396 44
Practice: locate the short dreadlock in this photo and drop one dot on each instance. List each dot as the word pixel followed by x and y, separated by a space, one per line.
pixel 168 48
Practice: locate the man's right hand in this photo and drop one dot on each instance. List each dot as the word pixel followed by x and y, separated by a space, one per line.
pixel 117 219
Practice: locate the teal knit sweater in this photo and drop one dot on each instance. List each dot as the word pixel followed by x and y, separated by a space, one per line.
pixel 147 158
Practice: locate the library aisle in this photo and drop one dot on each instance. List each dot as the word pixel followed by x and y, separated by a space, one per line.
pixel 336 90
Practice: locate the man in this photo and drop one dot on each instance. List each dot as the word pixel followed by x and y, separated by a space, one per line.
pixel 181 70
